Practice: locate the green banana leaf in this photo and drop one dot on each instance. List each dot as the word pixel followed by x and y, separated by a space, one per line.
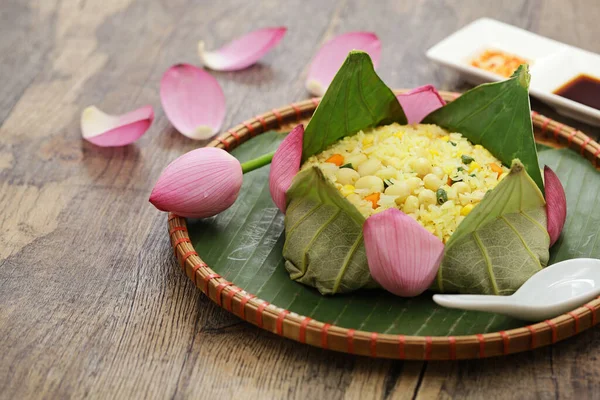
pixel 245 243
pixel 357 99
pixel 498 117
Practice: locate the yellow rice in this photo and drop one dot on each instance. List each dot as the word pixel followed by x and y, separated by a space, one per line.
pixel 408 165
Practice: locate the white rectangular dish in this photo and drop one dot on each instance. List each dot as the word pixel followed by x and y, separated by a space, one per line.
pixel 552 64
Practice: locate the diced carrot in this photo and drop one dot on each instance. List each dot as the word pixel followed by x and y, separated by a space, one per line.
pixel 449 182
pixel 497 169
pixel 373 198
pixel 336 159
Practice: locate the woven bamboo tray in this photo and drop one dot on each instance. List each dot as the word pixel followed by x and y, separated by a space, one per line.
pixel 306 330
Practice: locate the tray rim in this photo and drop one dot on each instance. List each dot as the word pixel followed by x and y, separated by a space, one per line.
pixel 316 333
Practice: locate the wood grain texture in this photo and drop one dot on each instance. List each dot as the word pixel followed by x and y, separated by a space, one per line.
pixel 92 302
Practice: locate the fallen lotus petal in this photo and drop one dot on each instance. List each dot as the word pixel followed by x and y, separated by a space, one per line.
pixel 285 165
pixel 107 130
pixel 556 204
pixel 419 102
pixel 243 51
pixel 193 101
pixel 403 257
pixel 199 184
pixel 332 55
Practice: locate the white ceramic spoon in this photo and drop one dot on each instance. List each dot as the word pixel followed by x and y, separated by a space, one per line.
pixel 555 290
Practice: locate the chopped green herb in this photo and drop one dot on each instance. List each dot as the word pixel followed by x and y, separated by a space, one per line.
pixel 473 175
pixel 467 159
pixel 441 196
pixel 349 165
pixel 453 144
pixel 460 169
pixel 387 183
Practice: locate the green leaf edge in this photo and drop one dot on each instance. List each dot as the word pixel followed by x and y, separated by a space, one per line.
pixel 480 217
pixel 521 78
pixel 331 195
pixel 484 213
pixel 356 68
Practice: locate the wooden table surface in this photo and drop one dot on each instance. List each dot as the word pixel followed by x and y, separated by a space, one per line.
pixel 92 303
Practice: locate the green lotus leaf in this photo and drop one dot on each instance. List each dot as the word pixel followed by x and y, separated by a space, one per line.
pixel 324 240
pixel 501 243
pixel 498 117
pixel 357 99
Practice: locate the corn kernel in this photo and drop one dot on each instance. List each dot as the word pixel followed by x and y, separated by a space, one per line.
pixel 399 135
pixel 466 210
pixel 434 152
pixel 347 190
pixel 474 166
pixel 445 138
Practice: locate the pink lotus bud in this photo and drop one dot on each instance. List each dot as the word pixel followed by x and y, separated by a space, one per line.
pixel 199 184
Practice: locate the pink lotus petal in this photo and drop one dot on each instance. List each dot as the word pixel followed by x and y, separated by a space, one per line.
pixel 106 130
pixel 285 165
pixel 419 102
pixel 403 257
pixel 332 54
pixel 556 204
pixel 243 51
pixel 193 101
pixel 199 184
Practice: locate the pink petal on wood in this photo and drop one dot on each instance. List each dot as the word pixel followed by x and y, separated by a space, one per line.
pixel 403 257
pixel 193 101
pixel 556 204
pixel 420 102
pixel 332 54
pixel 243 51
pixel 107 130
pixel 285 165
pixel 199 184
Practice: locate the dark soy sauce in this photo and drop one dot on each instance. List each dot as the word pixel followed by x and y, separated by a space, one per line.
pixel 583 89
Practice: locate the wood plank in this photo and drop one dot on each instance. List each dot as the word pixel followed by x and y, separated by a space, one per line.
pixel 92 301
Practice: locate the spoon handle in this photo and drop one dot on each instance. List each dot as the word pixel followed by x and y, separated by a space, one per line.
pixel 487 303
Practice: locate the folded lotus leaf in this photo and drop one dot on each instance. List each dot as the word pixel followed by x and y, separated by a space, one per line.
pixel 324 241
pixel 501 244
